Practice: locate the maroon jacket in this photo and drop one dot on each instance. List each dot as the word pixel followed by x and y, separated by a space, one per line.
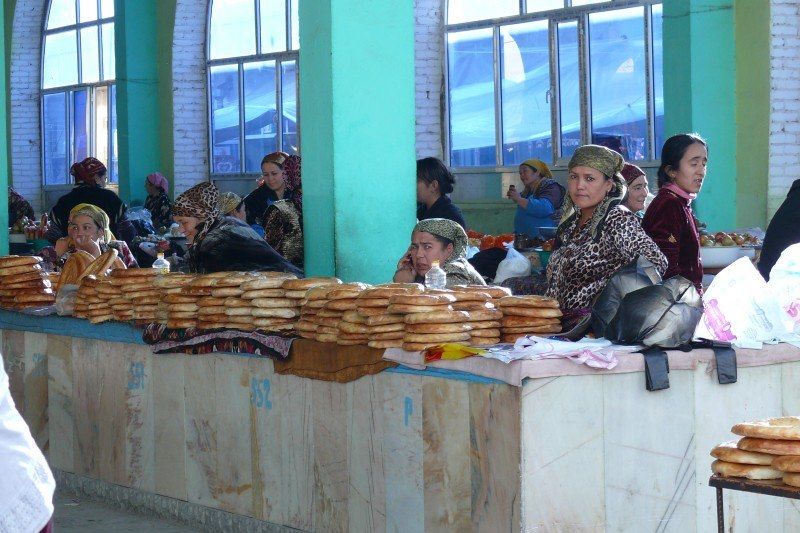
pixel 670 223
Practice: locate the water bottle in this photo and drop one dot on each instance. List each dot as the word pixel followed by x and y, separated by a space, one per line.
pixel 161 264
pixel 435 278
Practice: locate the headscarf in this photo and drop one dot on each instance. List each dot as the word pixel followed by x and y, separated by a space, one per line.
pixel 448 229
pixel 85 171
pixel 539 166
pixel 291 166
pixel 277 158
pixel 201 202
pixel 157 179
pixel 630 172
pixel 228 202
pixel 608 162
pixel 97 215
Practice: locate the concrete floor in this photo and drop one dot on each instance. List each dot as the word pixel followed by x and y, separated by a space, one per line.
pixel 75 514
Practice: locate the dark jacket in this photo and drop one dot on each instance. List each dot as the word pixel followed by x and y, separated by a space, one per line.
pixel 442 208
pixel 782 232
pixel 105 199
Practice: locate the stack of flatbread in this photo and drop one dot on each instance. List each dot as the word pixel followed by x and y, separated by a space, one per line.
pixel 23 284
pixel 137 286
pixel 430 319
pixel 323 309
pixel 484 317
pixel 199 293
pixel 90 304
pixel 261 303
pixel 180 308
pixel 108 291
pixel 372 319
pixel 769 449
pixel 528 315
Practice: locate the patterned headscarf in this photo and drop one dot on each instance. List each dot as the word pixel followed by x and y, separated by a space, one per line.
pixel 291 166
pixel 630 172
pixel 228 202
pixel 539 166
pixel 449 230
pixel 201 202
pixel 97 215
pixel 84 172
pixel 157 179
pixel 608 162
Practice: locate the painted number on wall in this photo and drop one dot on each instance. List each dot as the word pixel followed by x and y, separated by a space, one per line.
pixel 136 376
pixel 259 393
pixel 39 365
pixel 408 409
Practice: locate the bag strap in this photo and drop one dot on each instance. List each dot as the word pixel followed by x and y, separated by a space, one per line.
pixel 656 369
pixel 725 358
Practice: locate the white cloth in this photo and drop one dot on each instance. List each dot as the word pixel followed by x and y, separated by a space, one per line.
pixel 595 353
pixel 26 483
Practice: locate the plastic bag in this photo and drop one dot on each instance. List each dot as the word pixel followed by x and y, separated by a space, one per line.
pixel 513 266
pixel 739 308
pixel 784 287
pixel 65 300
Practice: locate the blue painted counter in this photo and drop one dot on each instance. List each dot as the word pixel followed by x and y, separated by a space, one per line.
pixel 72 327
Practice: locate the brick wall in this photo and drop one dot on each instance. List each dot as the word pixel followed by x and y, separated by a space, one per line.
pixel 428 55
pixel 784 141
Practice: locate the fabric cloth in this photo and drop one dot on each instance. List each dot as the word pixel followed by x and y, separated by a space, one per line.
pixel 680 192
pixel 594 353
pixel 543 209
pixel 630 172
pixel 669 221
pixel 86 170
pixel 283 230
pixel 539 166
pixel 782 232
pixel 160 208
pixel 459 271
pixel 26 483
pixel 18 207
pixel 157 179
pixel 105 199
pixel 197 341
pixel 331 362
pixel 442 208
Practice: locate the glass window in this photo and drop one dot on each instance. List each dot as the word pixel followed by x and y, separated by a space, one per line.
pixel 90 60
pixel 260 113
pixel 471 98
pixel 87 10
pixel 535 6
pixel 62 13
pixel 470 10
pixel 54 138
pixel 290 141
pixel 525 62
pixel 106 8
pixel 80 125
pixel 101 123
pixel 109 55
pixel 295 24
pixel 569 94
pixel 60 60
pixel 273 26
pixel 232 31
pixel 225 119
pixel 114 166
pixel 658 79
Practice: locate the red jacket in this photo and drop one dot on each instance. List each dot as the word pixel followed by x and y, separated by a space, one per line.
pixel 670 223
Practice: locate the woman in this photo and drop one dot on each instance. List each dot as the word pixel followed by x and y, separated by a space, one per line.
pixel 437 239
pixel 669 220
pixel 636 182
pixel 782 232
pixel 158 202
pixel 280 180
pixel 232 205
pixel 18 207
pixel 217 243
pixel 88 230
pixel 540 201
pixel 434 183
pixel 90 180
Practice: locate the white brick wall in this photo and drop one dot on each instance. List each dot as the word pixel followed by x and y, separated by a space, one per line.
pixel 190 103
pixel 784 132
pixel 429 59
pixel 25 142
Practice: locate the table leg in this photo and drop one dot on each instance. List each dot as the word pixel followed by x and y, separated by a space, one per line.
pixel 720 512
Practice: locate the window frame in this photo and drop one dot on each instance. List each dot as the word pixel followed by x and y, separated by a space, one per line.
pixel 286 56
pixel 70 90
pixel 554 17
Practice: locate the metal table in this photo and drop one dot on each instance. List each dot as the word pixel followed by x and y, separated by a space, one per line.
pixel 774 487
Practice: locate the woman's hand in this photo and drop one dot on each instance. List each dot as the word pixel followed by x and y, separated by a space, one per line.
pixel 405 269
pixel 87 244
pixel 513 194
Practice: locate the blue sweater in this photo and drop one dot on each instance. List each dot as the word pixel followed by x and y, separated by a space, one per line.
pixel 543 210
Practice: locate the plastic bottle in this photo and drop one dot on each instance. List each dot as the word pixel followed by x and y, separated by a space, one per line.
pixel 435 278
pixel 161 264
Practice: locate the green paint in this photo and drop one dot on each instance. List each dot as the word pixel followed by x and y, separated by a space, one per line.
pixel 4 143
pixel 357 127
pixel 166 27
pixel 9 6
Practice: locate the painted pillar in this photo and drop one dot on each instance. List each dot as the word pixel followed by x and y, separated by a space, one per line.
pixel 357 128
pixel 4 168
pixel 138 106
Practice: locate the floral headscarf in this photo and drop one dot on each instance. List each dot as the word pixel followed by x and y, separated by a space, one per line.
pixel 201 202
pixel 608 162
pixel 448 229
pixel 84 172
pixel 97 215
pixel 291 166
pixel 157 179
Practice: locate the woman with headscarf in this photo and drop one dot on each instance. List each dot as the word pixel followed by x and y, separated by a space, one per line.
pixel 88 230
pixel 231 205
pixel 90 181
pixel 435 182
pixel 637 191
pixel 18 207
pixel 217 243
pixel 280 180
pixel 539 203
pixel 442 240
pixel 158 202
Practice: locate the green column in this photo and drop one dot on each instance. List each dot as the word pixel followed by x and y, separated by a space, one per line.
pixel 138 105
pixel 4 168
pixel 357 128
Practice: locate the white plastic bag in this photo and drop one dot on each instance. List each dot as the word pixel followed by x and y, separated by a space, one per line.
pixel 65 300
pixel 738 308
pixel 784 287
pixel 513 266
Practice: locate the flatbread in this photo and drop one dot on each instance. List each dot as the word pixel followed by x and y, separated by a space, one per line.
pixel 729 453
pixel 726 469
pixel 785 427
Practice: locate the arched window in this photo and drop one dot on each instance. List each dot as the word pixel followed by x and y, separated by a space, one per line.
pixel 538 78
pixel 78 92
pixel 252 79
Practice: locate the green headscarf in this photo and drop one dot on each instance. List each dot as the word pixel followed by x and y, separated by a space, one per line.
pixel 449 230
pixel 539 166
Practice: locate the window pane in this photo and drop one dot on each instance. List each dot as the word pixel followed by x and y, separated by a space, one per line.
pixel 232 30
pixel 261 120
pixel 619 102
pixel 525 60
pixel 273 26
pixel 54 122
pixel 588 2
pixel 62 13
pixel 90 62
pixel 658 79
pixel 87 10
pixel 290 143
pixel 295 25
pixel 106 8
pixel 534 6
pixel 109 56
pixel 225 118
pixel 80 121
pixel 101 123
pixel 60 60
pixel 569 88
pixel 114 166
pixel 469 10
pixel 471 97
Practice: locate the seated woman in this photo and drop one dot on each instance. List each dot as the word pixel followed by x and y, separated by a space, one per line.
pixel 280 180
pixel 437 239
pixel 636 181
pixel 782 232
pixel 217 243
pixel 434 183
pixel 18 207
pixel 88 230
pixel 232 205
pixel 158 202
pixel 669 220
pixel 539 203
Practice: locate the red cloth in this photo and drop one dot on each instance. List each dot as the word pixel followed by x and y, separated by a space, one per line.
pixel 670 223
pixel 85 171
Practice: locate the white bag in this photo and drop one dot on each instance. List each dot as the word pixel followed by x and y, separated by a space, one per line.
pixel 784 287
pixel 738 308
pixel 515 265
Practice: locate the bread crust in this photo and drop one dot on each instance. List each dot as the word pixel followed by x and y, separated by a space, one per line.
pixel 728 452
pixel 726 469
pixel 786 463
pixel 784 427
pixel 436 317
pixel 308 283
pixel 773 446
pixel 458 327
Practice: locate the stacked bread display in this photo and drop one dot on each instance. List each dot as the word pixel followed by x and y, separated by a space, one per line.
pixel 383 329
pixel 484 317
pixel 317 289
pixel 327 305
pixel 528 315
pixel 23 285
